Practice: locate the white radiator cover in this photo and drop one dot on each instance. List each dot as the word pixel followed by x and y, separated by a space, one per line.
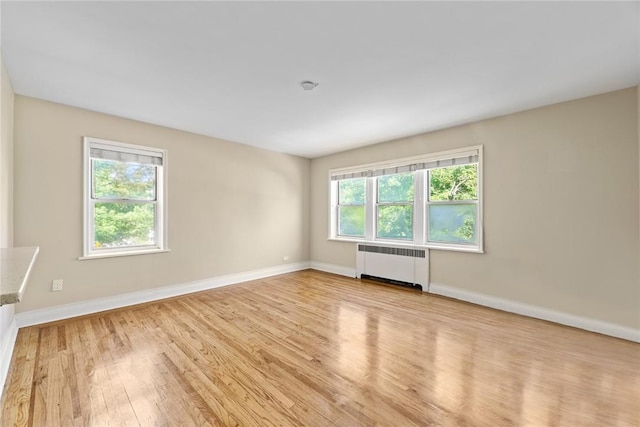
pixel 404 264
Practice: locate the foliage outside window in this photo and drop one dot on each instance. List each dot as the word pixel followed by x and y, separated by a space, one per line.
pixel 432 201
pixel 452 204
pixel 395 207
pixel 351 198
pixel 124 198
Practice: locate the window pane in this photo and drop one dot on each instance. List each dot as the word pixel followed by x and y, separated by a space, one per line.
pixel 120 180
pixel 395 188
pixel 454 183
pixel 351 221
pixel 351 191
pixel 395 222
pixel 452 223
pixel 124 224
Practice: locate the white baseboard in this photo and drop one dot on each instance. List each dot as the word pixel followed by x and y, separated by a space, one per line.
pixel 585 323
pixel 6 347
pixel 51 314
pixel 45 315
pixel 510 306
pixel 335 269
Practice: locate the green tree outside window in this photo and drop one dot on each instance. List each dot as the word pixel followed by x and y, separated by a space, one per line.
pixel 453 222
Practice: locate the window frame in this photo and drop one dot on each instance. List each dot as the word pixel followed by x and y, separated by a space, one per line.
pixel 420 200
pixel 89 201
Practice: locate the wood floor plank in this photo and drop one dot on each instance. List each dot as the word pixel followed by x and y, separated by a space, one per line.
pixel 231 382
pixel 316 349
pixel 20 378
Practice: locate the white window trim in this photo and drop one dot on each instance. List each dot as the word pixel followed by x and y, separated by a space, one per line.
pixel 161 202
pixel 420 211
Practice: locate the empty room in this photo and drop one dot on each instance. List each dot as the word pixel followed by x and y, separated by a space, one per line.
pixel 326 213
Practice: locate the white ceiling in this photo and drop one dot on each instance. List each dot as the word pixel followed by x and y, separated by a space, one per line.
pixel 385 69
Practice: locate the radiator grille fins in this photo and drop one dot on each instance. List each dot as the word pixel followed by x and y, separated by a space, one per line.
pixel 415 253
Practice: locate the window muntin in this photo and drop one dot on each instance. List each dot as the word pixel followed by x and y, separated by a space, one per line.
pixel 452 205
pixel 394 207
pixel 351 207
pixel 445 211
pixel 124 199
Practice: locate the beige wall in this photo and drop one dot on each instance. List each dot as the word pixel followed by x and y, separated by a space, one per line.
pixel 6 205
pixel 232 208
pixel 561 207
pixel 6 162
pixel 562 201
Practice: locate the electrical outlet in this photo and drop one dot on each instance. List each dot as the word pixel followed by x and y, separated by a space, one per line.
pixel 56 285
pixel 285 258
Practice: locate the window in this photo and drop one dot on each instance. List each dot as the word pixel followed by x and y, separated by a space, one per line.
pixel 124 199
pixel 351 207
pixel 394 208
pixel 432 200
pixel 453 204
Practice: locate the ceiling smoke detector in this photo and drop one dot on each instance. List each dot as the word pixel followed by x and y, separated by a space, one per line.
pixel 307 85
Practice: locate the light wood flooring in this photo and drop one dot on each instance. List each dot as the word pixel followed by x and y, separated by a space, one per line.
pixel 315 349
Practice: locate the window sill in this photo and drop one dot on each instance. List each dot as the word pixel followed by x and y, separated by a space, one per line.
pixel 398 243
pixel 128 253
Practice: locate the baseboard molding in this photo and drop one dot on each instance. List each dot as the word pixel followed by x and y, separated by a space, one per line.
pixel 51 314
pixel 510 306
pixel 6 346
pixel 45 315
pixel 585 323
pixel 335 269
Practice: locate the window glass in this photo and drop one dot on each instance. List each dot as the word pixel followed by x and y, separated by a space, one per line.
pixel 454 183
pixel 124 224
pixel 453 223
pixel 395 222
pixel 395 207
pixel 120 180
pixel 351 221
pixel 351 191
pixel 351 202
pixel 395 188
pixel 449 220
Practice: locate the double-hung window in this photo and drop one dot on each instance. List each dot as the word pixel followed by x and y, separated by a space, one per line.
pixel 432 200
pixel 351 207
pixel 124 199
pixel 394 206
pixel 452 205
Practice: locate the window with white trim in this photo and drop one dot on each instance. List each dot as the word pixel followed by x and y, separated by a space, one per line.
pixel 351 196
pixel 394 206
pixel 452 204
pixel 124 198
pixel 432 200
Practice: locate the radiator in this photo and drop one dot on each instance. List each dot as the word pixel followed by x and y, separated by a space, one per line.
pixel 399 265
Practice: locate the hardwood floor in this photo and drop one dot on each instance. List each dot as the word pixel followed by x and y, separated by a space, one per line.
pixel 315 349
